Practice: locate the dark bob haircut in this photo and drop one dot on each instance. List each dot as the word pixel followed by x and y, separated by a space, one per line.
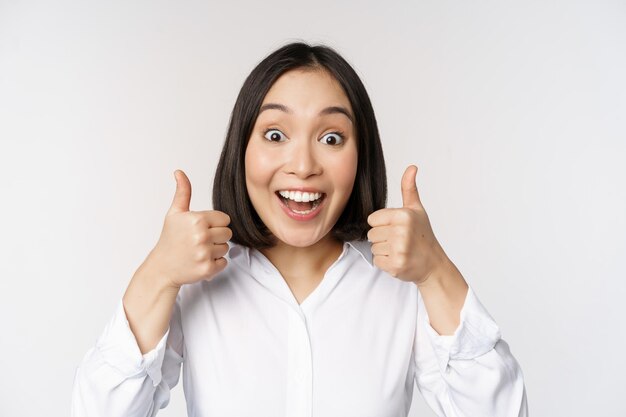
pixel 369 192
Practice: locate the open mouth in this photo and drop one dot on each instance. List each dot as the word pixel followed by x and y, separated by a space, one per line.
pixel 301 207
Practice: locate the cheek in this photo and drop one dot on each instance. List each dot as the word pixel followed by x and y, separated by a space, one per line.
pixel 258 166
pixel 345 171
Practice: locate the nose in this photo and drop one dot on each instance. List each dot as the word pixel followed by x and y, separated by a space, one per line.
pixel 302 160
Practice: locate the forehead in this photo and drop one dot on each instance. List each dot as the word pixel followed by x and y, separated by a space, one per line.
pixel 307 92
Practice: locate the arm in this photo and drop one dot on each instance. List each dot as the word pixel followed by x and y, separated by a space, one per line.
pixel 470 370
pixel 444 291
pixel 137 359
pixel 466 369
pixel 119 377
pixel 148 304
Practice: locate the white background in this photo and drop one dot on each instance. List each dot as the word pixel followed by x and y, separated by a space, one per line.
pixel 514 113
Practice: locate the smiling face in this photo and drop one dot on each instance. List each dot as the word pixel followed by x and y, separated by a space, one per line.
pixel 302 140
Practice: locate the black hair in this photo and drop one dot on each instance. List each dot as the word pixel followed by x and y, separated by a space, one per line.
pixel 369 192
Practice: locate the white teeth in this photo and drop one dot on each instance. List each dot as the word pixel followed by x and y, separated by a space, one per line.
pixel 300 196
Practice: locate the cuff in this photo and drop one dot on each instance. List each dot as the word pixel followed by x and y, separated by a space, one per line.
pixel 476 335
pixel 119 348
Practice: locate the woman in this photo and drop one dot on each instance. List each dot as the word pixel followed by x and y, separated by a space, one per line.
pixel 275 301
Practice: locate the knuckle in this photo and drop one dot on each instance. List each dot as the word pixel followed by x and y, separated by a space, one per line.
pixel 201 255
pixel 199 237
pixel 402 232
pixel 206 268
pixel 404 215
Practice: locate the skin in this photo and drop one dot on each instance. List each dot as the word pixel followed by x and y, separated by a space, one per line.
pixel 305 152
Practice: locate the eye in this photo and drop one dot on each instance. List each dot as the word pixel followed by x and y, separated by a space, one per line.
pixel 334 138
pixel 274 137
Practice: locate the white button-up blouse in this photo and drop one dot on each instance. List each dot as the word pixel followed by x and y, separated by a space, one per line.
pixel 352 348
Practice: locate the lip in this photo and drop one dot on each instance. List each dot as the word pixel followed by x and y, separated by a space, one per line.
pixel 301 217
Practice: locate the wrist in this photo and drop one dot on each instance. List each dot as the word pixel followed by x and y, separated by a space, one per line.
pixel 444 293
pixel 445 278
pixel 150 274
pixel 439 266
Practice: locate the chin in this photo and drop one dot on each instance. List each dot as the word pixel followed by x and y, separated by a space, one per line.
pixel 298 240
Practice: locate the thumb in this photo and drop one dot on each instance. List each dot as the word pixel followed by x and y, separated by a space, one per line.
pixel 182 197
pixel 410 197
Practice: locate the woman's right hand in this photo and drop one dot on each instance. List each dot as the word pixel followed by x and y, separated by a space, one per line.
pixel 192 244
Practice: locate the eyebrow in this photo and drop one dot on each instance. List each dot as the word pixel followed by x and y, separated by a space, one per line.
pixel 327 110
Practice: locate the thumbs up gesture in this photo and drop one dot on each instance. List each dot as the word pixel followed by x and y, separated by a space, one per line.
pixel 403 243
pixel 192 243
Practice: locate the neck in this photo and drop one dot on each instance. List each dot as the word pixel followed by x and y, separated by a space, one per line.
pixel 304 263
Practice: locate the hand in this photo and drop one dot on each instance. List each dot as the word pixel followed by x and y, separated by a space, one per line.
pixel 403 243
pixel 192 244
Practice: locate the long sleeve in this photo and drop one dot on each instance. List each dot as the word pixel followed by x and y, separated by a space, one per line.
pixel 470 373
pixel 115 380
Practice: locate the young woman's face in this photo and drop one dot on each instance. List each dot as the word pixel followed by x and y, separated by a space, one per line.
pixel 305 143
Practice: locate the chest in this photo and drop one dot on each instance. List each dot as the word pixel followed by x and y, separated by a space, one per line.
pixel 259 356
pixel 302 288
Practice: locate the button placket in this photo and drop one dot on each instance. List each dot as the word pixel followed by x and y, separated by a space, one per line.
pixel 299 367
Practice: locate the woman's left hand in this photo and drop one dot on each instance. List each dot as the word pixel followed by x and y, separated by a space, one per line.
pixel 403 242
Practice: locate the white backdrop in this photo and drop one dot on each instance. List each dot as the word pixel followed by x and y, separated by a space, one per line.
pixel 514 113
